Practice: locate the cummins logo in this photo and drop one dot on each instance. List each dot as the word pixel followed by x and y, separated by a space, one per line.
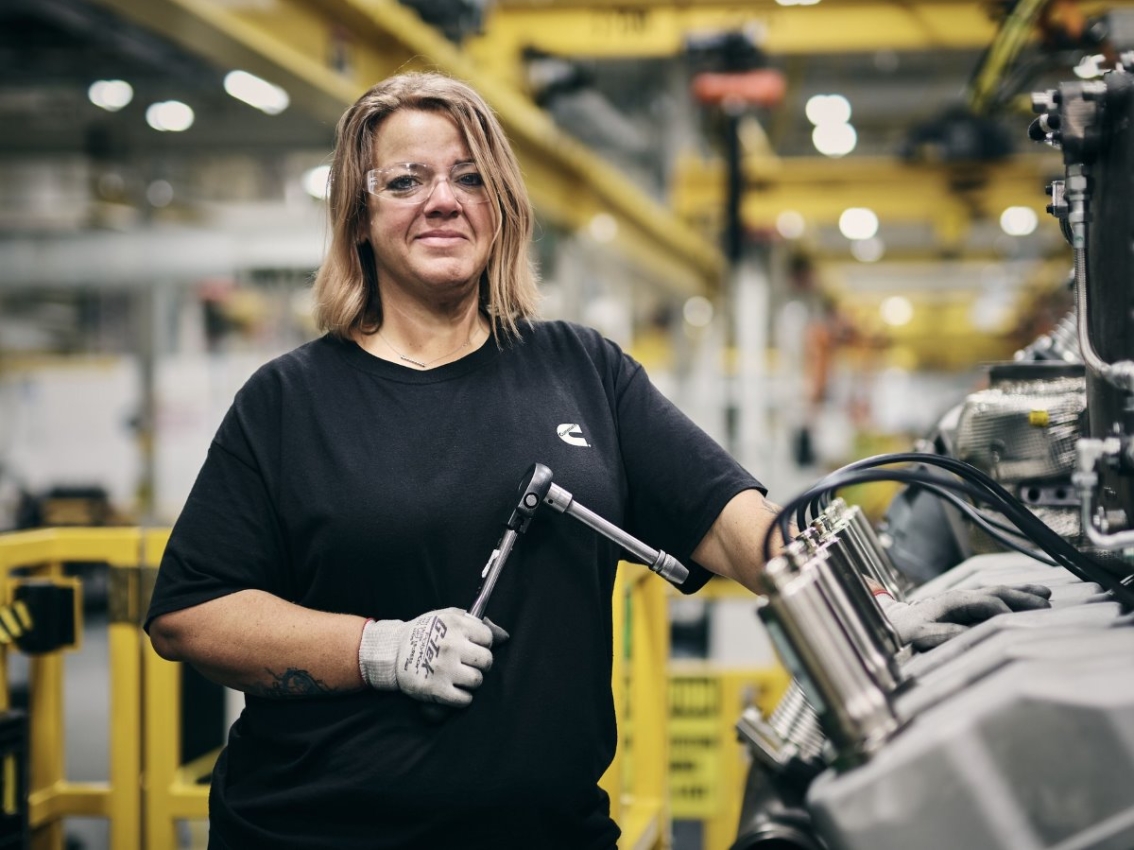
pixel 572 434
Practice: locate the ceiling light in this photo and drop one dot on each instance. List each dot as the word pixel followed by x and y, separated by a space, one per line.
pixel 110 95
pixel 827 109
pixel 834 140
pixel 790 224
pixel 698 311
pixel 1018 221
pixel 868 250
pixel 858 223
pixel 316 181
pixel 265 96
pixel 169 116
pixel 896 311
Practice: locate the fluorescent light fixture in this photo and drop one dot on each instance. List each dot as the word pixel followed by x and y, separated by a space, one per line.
pixel 169 116
pixel 316 181
pixel 265 96
pixel 834 140
pixel 858 223
pixel 110 95
pixel 896 311
pixel 827 109
pixel 1018 221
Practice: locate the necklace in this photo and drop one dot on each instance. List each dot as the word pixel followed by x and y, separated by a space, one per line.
pixel 426 364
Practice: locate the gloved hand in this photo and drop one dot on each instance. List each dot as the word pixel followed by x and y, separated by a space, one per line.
pixel 931 621
pixel 439 657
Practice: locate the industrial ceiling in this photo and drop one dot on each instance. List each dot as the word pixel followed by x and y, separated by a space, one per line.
pixel 596 97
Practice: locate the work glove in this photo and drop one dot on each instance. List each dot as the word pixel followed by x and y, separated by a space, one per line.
pixel 931 621
pixel 439 657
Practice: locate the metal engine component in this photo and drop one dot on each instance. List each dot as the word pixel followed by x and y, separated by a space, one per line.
pixel 824 644
pixel 1022 432
pixel 1014 738
pixel 1022 429
pixel 1015 735
pixel 1090 122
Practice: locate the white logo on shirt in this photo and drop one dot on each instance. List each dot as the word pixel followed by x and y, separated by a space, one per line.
pixel 572 434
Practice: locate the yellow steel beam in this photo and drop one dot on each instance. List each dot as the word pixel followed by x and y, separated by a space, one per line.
pixel 648 29
pixel 117 546
pixel 641 28
pixel 819 189
pixel 327 52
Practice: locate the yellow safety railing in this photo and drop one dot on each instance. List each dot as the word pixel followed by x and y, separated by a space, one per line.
pixel 689 708
pixel 637 779
pixel 51 796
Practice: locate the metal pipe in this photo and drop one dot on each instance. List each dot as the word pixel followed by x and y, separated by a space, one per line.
pixel 1119 374
pixel 1088 453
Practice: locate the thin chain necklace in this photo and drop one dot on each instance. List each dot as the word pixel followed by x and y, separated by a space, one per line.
pixel 429 363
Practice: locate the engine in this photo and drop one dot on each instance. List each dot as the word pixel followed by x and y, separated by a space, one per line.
pixel 1019 731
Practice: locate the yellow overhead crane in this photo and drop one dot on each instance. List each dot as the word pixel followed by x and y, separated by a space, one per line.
pixel 651 28
pixel 328 52
pixel 817 187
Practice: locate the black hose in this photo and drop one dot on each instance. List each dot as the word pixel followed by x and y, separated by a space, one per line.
pixel 973 483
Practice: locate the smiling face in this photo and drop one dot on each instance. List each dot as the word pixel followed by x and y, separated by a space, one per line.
pixel 433 250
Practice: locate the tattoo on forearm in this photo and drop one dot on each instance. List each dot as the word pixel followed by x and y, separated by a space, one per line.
pixel 290 683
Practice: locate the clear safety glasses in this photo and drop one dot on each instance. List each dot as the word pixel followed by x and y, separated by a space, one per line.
pixel 414 182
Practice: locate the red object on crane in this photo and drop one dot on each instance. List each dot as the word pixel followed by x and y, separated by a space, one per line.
pixel 762 87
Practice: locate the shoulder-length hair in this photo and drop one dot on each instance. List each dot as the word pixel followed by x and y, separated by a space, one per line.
pixel 346 285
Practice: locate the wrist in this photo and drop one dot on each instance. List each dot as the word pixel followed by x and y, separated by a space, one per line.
pixel 378 654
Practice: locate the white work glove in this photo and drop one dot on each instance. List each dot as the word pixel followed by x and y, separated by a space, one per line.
pixel 931 621
pixel 439 657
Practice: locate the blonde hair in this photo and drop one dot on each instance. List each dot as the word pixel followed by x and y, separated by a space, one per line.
pixel 346 286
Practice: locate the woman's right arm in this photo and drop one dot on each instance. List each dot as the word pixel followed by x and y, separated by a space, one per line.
pixel 258 643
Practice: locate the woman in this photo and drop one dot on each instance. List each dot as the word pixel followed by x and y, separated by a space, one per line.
pixel 357 486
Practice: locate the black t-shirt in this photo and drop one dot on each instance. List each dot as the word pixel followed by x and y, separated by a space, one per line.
pixel 346 483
